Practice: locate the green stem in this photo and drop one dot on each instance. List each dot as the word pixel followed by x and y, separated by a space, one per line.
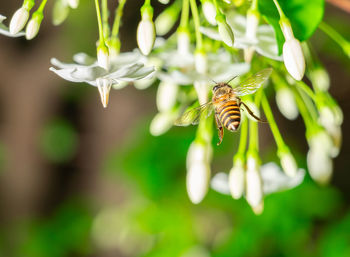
pixel 147 2
pixel 117 18
pixel 42 6
pixel 184 14
pixel 303 110
pixel 105 15
pixel 309 104
pixel 243 139
pixel 307 90
pixel 195 15
pixel 253 136
pixel 99 21
pixel 333 34
pixel 273 125
pixel 279 9
pixel 254 5
pixel 216 6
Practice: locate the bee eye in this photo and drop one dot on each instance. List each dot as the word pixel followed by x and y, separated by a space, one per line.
pixel 215 88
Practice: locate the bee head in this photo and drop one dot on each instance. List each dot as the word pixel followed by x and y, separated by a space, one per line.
pixel 220 85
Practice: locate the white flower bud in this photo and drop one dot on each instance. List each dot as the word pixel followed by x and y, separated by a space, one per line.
pixel 166 96
pixel 252 25
pixel 202 90
pixel 104 86
pixel 197 181
pixel 198 171
pixel 183 42
pixel 73 3
pixel 209 12
pixel 286 103
pixel 19 20
pixel 320 165
pixel 201 63
pixel 294 58
pixel 320 79
pixel 165 21
pixel 321 140
pixel 146 35
pixel 236 179
pixel 254 190
pixel 288 163
pixel 292 53
pixel 33 26
pixel 225 31
pixel 259 208
pixel 163 1
pixel 103 56
pixel 161 123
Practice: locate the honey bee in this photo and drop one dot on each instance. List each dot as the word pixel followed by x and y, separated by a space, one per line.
pixel 226 104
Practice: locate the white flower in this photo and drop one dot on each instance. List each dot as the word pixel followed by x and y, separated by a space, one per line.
pixel 198 171
pixel 88 71
pixel 273 178
pixel 286 103
pixel 19 20
pixel 33 25
pixel 254 186
pixel 209 11
pixel 146 35
pixel 166 96
pixel 5 31
pixel 103 56
pixel 265 43
pixel 237 179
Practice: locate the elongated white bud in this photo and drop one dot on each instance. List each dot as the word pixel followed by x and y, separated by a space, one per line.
pixel 288 163
pixel 209 11
pixel 146 35
pixel 320 165
pixel 320 79
pixel 103 56
pixel 292 52
pixel 162 122
pixel 200 61
pixel 294 58
pixel 254 192
pixel 33 25
pixel 286 103
pixel 183 42
pixel 104 86
pixel 237 179
pixel 225 30
pixel 19 20
pixel 198 171
pixel 166 20
pixel 166 96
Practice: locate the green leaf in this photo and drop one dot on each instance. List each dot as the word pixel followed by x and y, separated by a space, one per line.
pixel 304 15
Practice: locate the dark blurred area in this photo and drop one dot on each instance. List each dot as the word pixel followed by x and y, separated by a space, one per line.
pixel 80 180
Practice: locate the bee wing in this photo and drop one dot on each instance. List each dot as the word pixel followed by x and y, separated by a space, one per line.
pixel 193 116
pixel 252 84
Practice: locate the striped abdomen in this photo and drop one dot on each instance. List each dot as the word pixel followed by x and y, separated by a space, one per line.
pixel 230 115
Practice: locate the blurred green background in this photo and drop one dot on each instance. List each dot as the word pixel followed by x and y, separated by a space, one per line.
pixel 79 180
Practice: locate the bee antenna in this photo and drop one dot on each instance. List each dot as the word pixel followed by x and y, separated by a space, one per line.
pixel 231 79
pixel 214 81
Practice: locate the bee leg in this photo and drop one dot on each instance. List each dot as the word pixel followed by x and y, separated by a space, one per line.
pixel 251 113
pixel 220 129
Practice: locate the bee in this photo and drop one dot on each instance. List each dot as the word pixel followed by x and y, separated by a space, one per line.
pixel 226 103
